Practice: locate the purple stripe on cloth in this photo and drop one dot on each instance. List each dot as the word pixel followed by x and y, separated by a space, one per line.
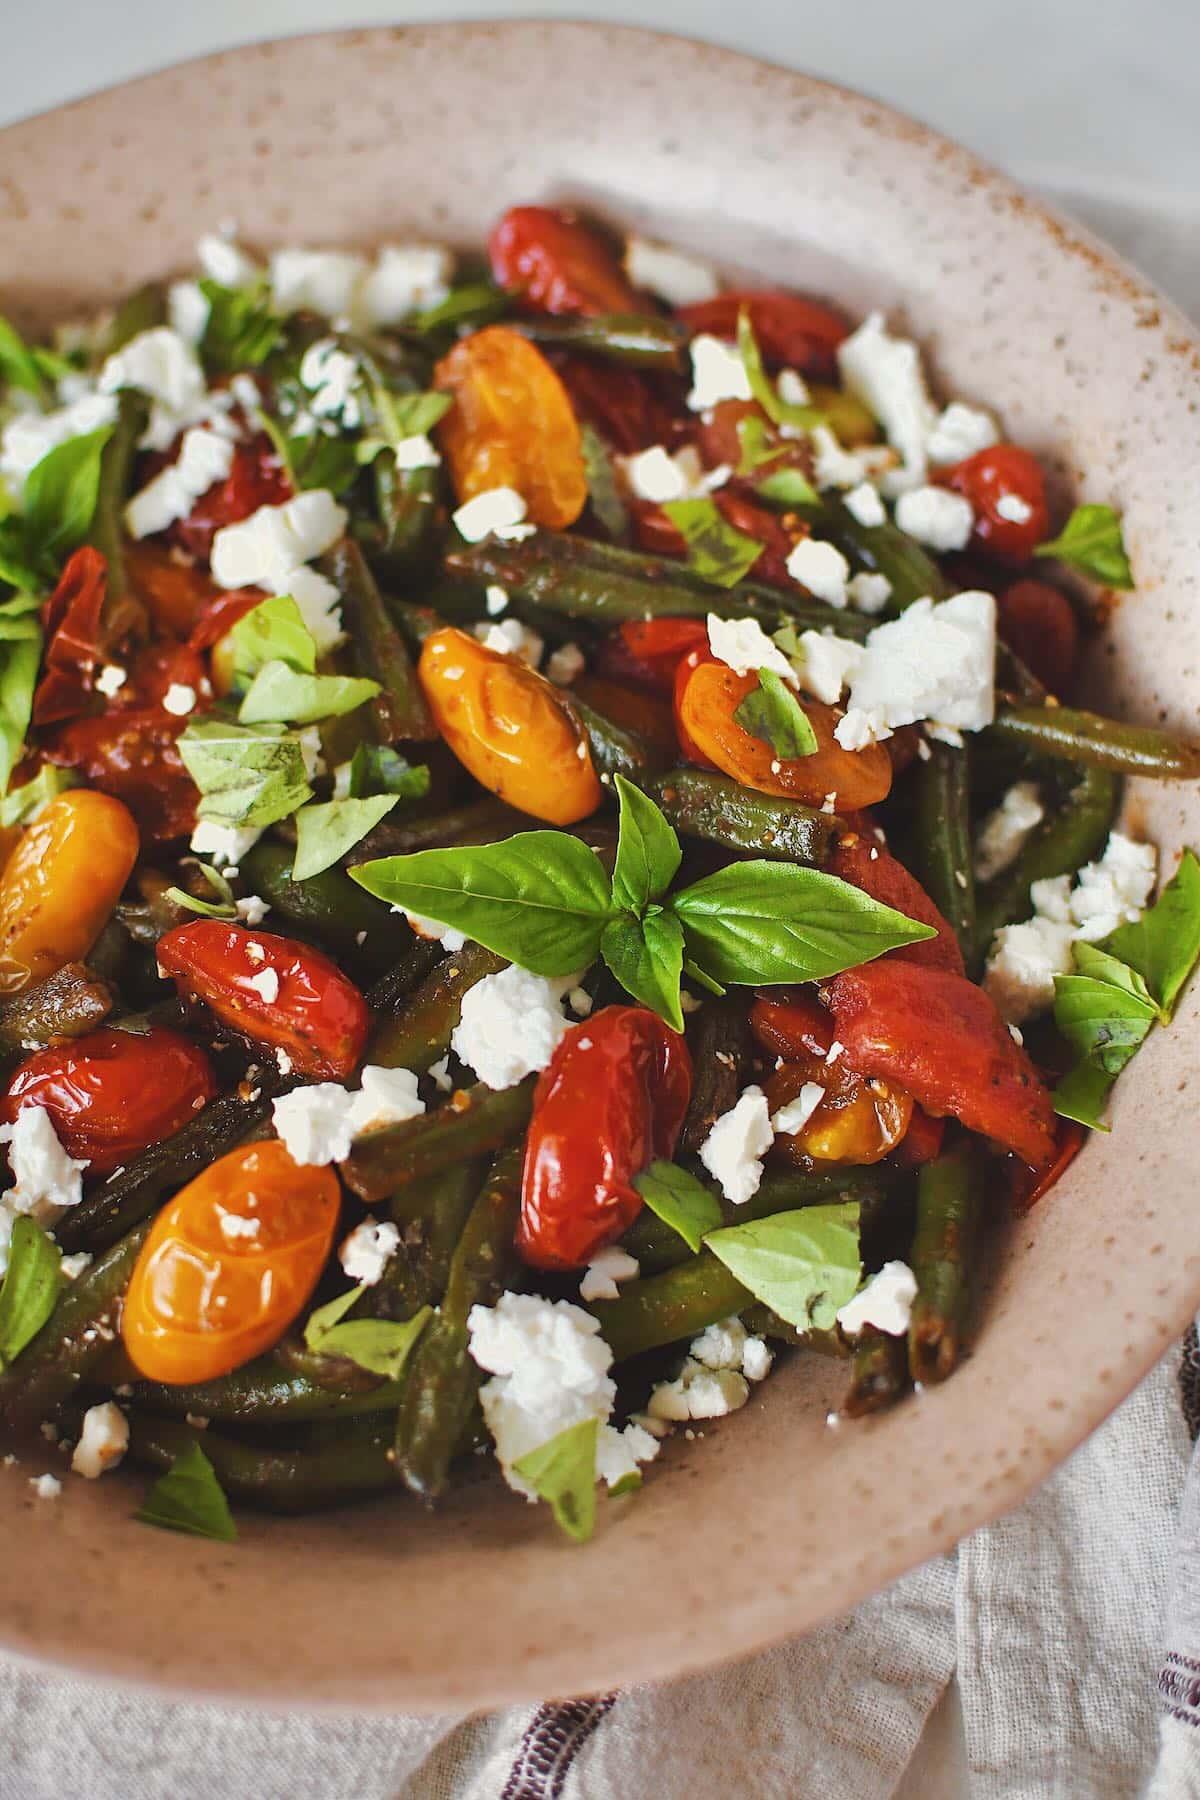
pixel 553 1739
pixel 1179 1687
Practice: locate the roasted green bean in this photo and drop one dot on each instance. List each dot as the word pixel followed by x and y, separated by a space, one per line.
pixel 418 1033
pixel 941 846
pixel 329 903
pixel 265 1392
pixel 123 611
pixel 722 1053
pixel 881 550
pixel 723 812
pixel 616 750
pixel 640 341
pixel 1066 839
pixel 353 1462
pixel 666 1308
pixel 68 1003
pixel 1068 735
pixel 477 1120
pixel 400 712
pixel 878 1376
pixel 948 1214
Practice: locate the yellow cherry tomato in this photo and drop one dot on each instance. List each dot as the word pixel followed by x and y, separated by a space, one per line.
pixel 59 886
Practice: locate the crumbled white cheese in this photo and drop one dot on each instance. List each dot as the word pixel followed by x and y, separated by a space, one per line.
pixel 265 984
pixel 795 1115
pixel 29 436
pixel 268 547
pixel 495 600
pixel 365 1252
pixel 497 512
pixel 958 432
pixel 826 664
pixel 283 1062
pixel 439 1073
pixel 715 1376
pixel 821 568
pixel 734 1148
pixel 510 1025
pixel 320 281
pixel 236 1226
pixel 416 452
pixel 225 262
pixel 1115 890
pixel 508 637
pixel 111 679
pixel 718 373
pixel 187 310
pixel 406 278
pixel 863 503
pixel 677 278
pixel 1005 831
pixel 252 909
pixel 204 458
pixel 933 662
pixel 46 1181
pixel 318 1124
pixel 833 465
pixel 868 593
pixel 225 845
pixel 179 699
pixel 728 1345
pixel 657 475
pixel 385 1097
pixel 565 664
pixel 164 366
pixel 836 1048
pixel 74 1266
pixel 332 377
pixel 319 603
pixel 1014 509
pixel 580 1002
pixel 448 936
pixel 1022 965
pixel 936 517
pixel 46 1487
pixel 605 1270
pixel 743 645
pixel 885 373
pixel 885 1302
pixel 792 389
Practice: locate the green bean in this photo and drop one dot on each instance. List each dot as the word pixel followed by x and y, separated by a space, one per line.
pixel 760 1320
pixel 882 550
pixel 419 1033
pixel 1068 735
pixel 722 1052
pixel 75 1339
pixel 1062 843
pixel 392 989
pixel 478 1120
pixel 264 1392
pixel 948 1213
pixel 431 1215
pixel 657 1245
pixel 400 712
pixel 442 1385
pixel 328 904
pixel 723 812
pixel 879 1374
pixel 68 1003
pixel 942 841
pixel 123 611
pixel 640 341
pixel 480 822
pixel 616 750
pixel 131 1194
pixel 665 1308
pixel 406 501
pixel 354 1462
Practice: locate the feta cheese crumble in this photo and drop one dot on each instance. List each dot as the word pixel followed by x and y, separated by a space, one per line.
pixel 46 1487
pixel 510 1025
pixel 885 373
pixel 416 452
pixel 448 936
pixel 605 1270
pixel 111 679
pixel 251 909
pixel 318 1124
pixel 30 436
pixel 1005 831
pixel 1014 509
pixel 743 645
pixel 205 458
pixel 826 664
pixel 406 278
pixel 821 568
pixel 508 637
pixel 332 377
pixel 495 600
pixel 265 984
pixel 187 310
pixel 224 261
pixel 46 1181
pixel 863 503
pixel 565 665
pixel 165 367
pixel 658 476
pixel 715 1377
pixel 179 699
pixel 718 373
pixel 885 1302
pixel 868 593
pixel 102 1442
pixel 936 517
pixel 364 1254
pixel 235 1226
pixel 933 662
pixel 960 431
pixel 677 278
pixel 734 1148
pixel 268 547
pixel 497 512
pixel 795 1115
pixel 225 845
pixel 320 281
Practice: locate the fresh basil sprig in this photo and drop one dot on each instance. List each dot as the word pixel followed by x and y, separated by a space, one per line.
pixel 1164 944
pixel 30 1287
pixel 381 1346
pixel 378 769
pixel 60 499
pixel 18 364
pixel 189 1498
pixel 717 551
pixel 563 1473
pixel 542 900
pixel 23 802
pixel 803 1265
pixel 279 692
pixel 1092 541
pixel 772 713
pixel 272 631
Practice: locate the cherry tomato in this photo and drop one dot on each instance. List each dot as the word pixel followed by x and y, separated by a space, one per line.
pixel 257 478
pixel 273 989
pixel 132 755
pixel 756 521
pixel 1027 1187
pixel 922 1141
pixel 649 651
pixel 792 1025
pixel 74 651
pixel 510 727
pixel 511 425
pixel 631 409
pixel 1038 622
pixel 228 1264
pixel 557 264
pixel 857 1121
pixel 110 1093
pixel 611 1101
pixel 801 334
pixel 991 476
pixel 685 668
pixel 858 859
pixel 940 1038
pixel 61 883
pixel 704 714
pixel 633 708
pixel 175 591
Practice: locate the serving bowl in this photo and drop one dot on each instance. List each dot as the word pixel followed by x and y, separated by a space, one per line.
pixel 772 1521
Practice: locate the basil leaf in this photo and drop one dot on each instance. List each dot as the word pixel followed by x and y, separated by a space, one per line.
pixel 326 831
pixel 781 412
pixel 628 1484
pixel 319 459
pixel 60 494
pixel 381 1346
pixel 648 853
pixel 474 304
pixel 30 1287
pixel 680 1201
pixel 1092 542
pixel 241 330
pixel 717 551
pixel 788 487
pixel 274 631
pixel 409 415
pixel 702 978
pixel 1164 944
pixel 646 956
pixel 17 567
pixel 563 1473
pixel 23 802
pixel 246 775
pixel 772 713
pixel 378 769
pixel 758 443
pixel 803 1265
pixel 278 692
pixel 1103 1018
pixel 19 662
pixel 189 1498
pixel 18 365
pixel 541 898
pixel 1082 1094
pixel 769 922
pixel 603 495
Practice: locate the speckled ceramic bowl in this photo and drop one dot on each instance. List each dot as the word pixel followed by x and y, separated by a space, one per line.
pixel 772 1522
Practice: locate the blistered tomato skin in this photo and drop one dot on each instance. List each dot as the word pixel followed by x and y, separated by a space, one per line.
pixel 611 1101
pixel 71 623
pixel 801 334
pixel 274 990
pixel 556 264
pixel 987 479
pixel 61 883
pixel 509 727
pixel 228 1264
pixel 511 425
pixel 110 1093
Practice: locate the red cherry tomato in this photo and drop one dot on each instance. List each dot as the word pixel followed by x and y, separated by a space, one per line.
pixel 922 1141
pixel 175 592
pixel 611 1102
pixel 71 623
pixel 629 408
pixel 649 651
pixel 256 479
pixel 110 1093
pixel 987 479
pixel 557 264
pixel 867 866
pixel 790 330
pixel 1038 622
pixel 938 1036
pixel 276 991
pixel 133 756
pixel 1027 1187
pixel 792 1025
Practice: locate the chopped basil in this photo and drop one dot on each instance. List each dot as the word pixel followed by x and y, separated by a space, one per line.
pixel 646 956
pixel 247 775
pixel 272 631
pixel 779 411
pixel 22 803
pixel 30 1287
pixel 241 329
pixel 563 1473
pixel 280 693
pixel 189 1498
pixel 606 501
pixel 717 551
pixel 378 769
pixel 382 1346
pixel 680 1201
pixel 648 852
pixel 325 831
pixel 1092 542
pixel 772 713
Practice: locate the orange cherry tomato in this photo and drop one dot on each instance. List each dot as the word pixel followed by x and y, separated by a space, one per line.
pixel 704 711
pixel 1005 472
pixel 274 990
pixel 228 1264
pixel 684 670
pixel 511 425
pixel 61 883
pixel 557 264
pixel 510 727
pixel 1038 622
pixel 858 1120
pixel 790 330
pixel 110 1093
